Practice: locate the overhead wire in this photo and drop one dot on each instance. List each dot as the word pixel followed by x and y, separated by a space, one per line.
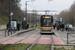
pixel 33 4
pixel 33 12
pixel 47 6
pixel 30 6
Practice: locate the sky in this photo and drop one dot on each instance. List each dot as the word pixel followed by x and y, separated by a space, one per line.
pixel 54 5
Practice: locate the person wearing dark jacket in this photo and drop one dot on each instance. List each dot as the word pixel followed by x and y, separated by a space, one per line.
pixel 18 26
pixel 57 27
pixel 7 26
pixel 27 26
pixel 62 27
pixel 66 28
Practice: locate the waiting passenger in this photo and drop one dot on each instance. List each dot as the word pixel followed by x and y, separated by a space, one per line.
pixel 57 27
pixel 27 26
pixel 18 26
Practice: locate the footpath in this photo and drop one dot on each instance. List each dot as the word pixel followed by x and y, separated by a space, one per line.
pixel 2 33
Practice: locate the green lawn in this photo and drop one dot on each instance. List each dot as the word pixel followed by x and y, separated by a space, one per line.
pixel 3 20
pixel 2 45
pixel 22 46
pixel 35 27
pixel 64 47
pixel 18 47
pixel 41 47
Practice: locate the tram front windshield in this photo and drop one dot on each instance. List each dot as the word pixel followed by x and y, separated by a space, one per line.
pixel 46 22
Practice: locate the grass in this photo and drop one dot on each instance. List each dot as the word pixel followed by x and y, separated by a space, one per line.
pixel 18 47
pixel 2 29
pixel 64 47
pixel 22 46
pixel 2 45
pixel 41 47
pixel 35 27
pixel 3 19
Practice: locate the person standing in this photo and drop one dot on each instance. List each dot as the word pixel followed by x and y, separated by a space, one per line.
pixel 27 26
pixel 63 27
pixel 18 26
pixel 57 27
pixel 7 26
pixel 66 28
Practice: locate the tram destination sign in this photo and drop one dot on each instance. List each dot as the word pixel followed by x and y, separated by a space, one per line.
pixel 46 17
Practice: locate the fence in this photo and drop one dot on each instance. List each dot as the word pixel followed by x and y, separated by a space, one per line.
pixel 69 35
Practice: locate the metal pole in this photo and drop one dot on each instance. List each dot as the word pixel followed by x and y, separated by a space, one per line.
pixel 5 33
pixel 67 38
pixel 8 32
pixel 33 18
pixel 26 10
pixel 9 14
pixel 9 27
pixel 36 19
pixel 45 12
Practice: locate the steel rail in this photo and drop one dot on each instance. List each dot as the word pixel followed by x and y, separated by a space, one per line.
pixel 33 43
pixel 10 38
pixel 6 40
pixel 52 43
pixel 16 42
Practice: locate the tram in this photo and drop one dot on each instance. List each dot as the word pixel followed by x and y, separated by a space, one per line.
pixel 46 24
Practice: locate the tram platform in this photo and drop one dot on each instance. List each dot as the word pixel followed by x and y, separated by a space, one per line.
pixel 2 33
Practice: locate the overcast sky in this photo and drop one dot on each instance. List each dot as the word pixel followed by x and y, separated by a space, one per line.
pixel 57 5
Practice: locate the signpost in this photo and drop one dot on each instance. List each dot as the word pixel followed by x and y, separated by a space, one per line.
pixel 11 14
pixel 61 19
pixel 24 18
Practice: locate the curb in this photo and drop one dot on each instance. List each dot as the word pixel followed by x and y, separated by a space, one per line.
pixel 21 32
pixel 59 38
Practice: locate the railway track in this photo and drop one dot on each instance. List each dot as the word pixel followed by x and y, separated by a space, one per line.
pixel 30 35
pixel 17 41
pixel 52 43
pixel 34 43
pixel 15 37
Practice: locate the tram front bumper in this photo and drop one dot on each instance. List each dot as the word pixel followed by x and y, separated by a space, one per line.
pixel 46 32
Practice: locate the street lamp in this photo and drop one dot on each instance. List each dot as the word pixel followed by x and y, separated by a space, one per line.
pixel 26 10
pixel 9 14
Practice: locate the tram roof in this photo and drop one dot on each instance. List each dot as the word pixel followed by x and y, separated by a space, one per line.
pixel 46 15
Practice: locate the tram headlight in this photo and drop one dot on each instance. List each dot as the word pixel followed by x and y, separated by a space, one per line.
pixel 40 27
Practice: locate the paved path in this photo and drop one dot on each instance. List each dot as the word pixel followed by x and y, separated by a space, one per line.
pixel 63 36
pixel 2 34
pixel 33 35
pixel 62 39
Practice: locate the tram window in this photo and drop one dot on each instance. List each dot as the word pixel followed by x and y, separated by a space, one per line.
pixel 46 22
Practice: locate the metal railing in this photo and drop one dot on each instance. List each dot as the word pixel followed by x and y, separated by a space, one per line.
pixel 9 32
pixel 71 34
